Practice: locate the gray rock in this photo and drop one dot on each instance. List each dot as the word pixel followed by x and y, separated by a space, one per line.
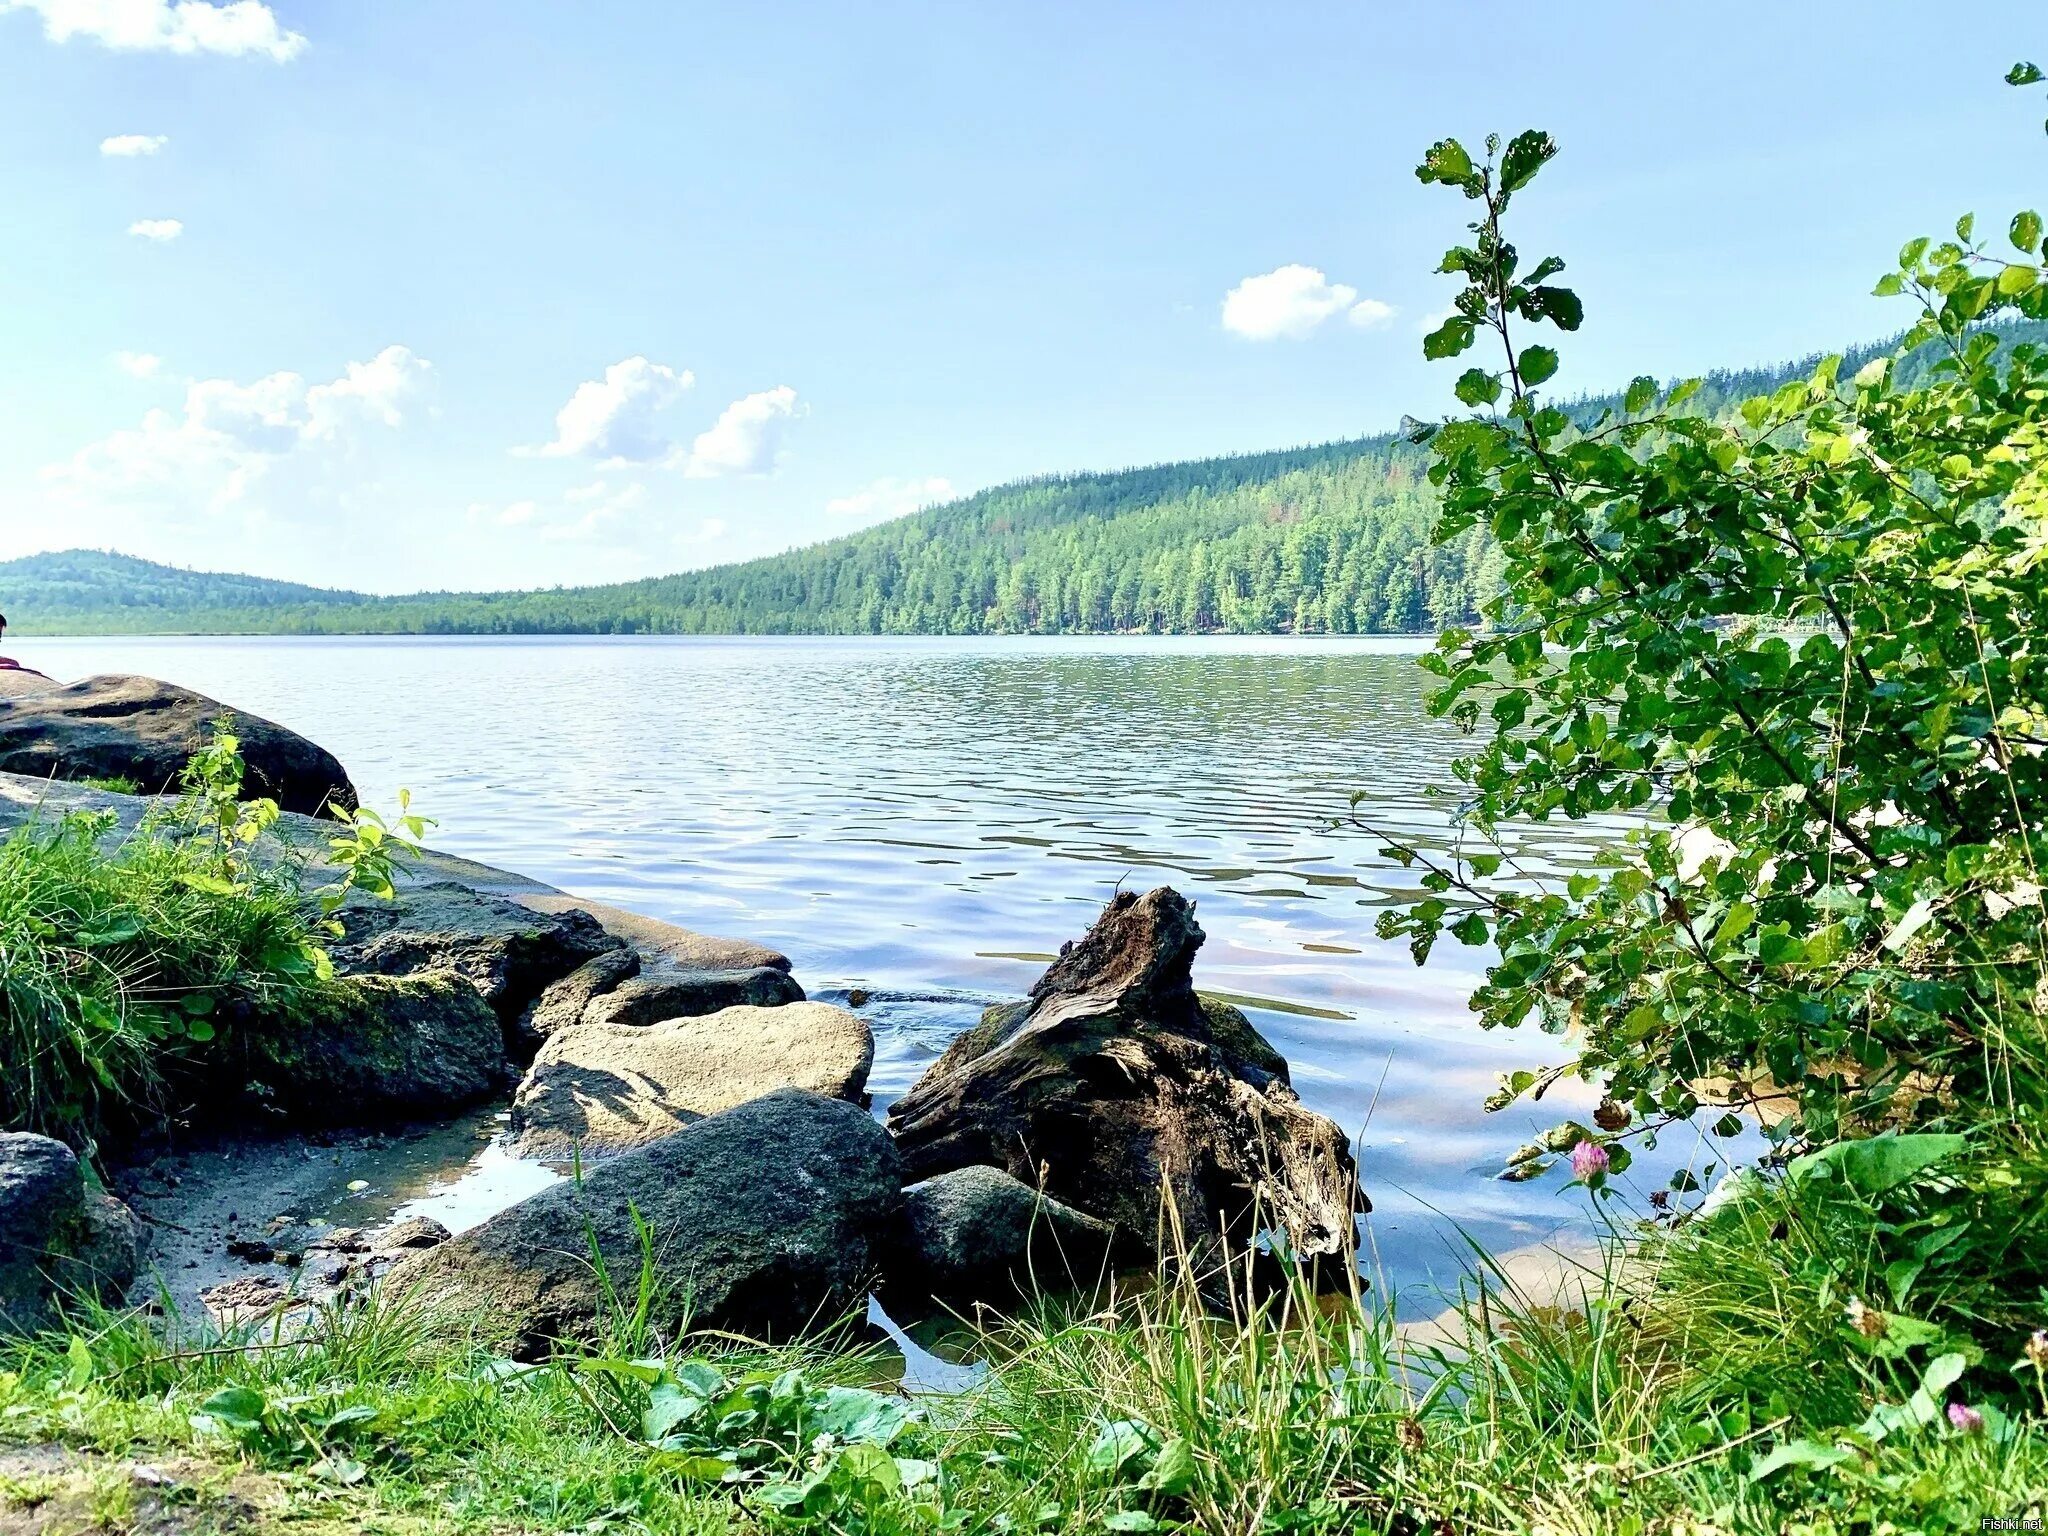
pixel 1114 1081
pixel 561 1003
pixel 673 994
pixel 376 1048
pixel 413 1232
pixel 978 1235
pixel 765 1220
pixel 657 941
pixel 142 729
pixel 58 1239
pixel 599 1089
pixel 508 951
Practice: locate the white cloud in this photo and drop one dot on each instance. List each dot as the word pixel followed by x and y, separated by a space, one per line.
pixel 1290 302
pixel 235 27
pixel 710 530
pixel 128 145
pixel 158 230
pixel 138 365
pixel 889 497
pixel 584 514
pixel 746 437
pixel 617 418
pixel 218 453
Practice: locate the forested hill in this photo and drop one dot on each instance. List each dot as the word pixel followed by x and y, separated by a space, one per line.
pixel 1326 539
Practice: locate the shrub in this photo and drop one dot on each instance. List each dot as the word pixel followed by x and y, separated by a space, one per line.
pixel 1806 637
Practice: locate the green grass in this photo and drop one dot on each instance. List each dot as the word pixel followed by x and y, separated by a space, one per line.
pixel 120 963
pixel 1647 1402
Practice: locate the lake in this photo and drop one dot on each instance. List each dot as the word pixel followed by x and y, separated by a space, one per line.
pixel 929 819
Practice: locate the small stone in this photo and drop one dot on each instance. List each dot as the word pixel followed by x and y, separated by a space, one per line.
pixel 412 1233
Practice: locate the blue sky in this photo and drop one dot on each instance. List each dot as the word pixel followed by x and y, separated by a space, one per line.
pixel 516 293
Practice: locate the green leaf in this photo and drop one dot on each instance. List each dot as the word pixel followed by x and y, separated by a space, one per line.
pixel 238 1408
pixel 1478 387
pixel 859 1416
pixel 2023 73
pixel 1129 1520
pixel 1799 1453
pixel 77 1363
pixel 1118 1444
pixel 1446 161
pixel 1560 306
pixel 1173 1473
pixel 1642 394
pixel 1878 1163
pixel 1537 365
pixel 114 928
pixel 1449 339
pixel 2026 231
pixel 1526 154
pixel 2016 280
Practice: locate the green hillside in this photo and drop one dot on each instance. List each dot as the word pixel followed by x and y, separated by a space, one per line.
pixel 1329 539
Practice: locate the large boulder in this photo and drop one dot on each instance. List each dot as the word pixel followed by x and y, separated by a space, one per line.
pixel 59 1240
pixel 766 1220
pixel 655 995
pixel 507 950
pixel 1113 1084
pixel 599 1089
pixel 978 1235
pixel 144 730
pixel 374 1048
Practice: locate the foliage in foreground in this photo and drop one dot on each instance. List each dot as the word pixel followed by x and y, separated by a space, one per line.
pixel 125 960
pixel 1808 638
pixel 1720 1378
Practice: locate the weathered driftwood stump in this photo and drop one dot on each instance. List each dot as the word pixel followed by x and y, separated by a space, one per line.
pixel 1114 1087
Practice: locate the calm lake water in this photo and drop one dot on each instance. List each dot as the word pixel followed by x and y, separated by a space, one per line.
pixel 929 819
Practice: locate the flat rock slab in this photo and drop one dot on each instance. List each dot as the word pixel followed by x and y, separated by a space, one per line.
pixel 767 1220
pixel 657 940
pixel 655 996
pixel 144 730
pixel 601 1089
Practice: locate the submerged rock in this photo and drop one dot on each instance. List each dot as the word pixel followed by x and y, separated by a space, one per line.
pixel 655 995
pixel 144 730
pixel 376 1048
pixel 58 1239
pixel 978 1235
pixel 508 951
pixel 604 1088
pixel 765 1220
pixel 1113 1083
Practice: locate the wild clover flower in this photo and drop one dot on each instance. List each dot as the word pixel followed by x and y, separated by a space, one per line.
pixel 1589 1158
pixel 2037 1350
pixel 1966 1418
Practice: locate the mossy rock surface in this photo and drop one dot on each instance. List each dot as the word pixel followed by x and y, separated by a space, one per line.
pixel 375 1048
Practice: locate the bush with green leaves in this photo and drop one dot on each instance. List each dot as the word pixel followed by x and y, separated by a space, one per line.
pixel 1801 648
pixel 122 956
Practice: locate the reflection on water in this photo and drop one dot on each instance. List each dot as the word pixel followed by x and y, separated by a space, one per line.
pixel 927 820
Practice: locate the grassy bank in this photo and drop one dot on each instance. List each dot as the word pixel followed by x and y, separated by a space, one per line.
pixel 1726 1376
